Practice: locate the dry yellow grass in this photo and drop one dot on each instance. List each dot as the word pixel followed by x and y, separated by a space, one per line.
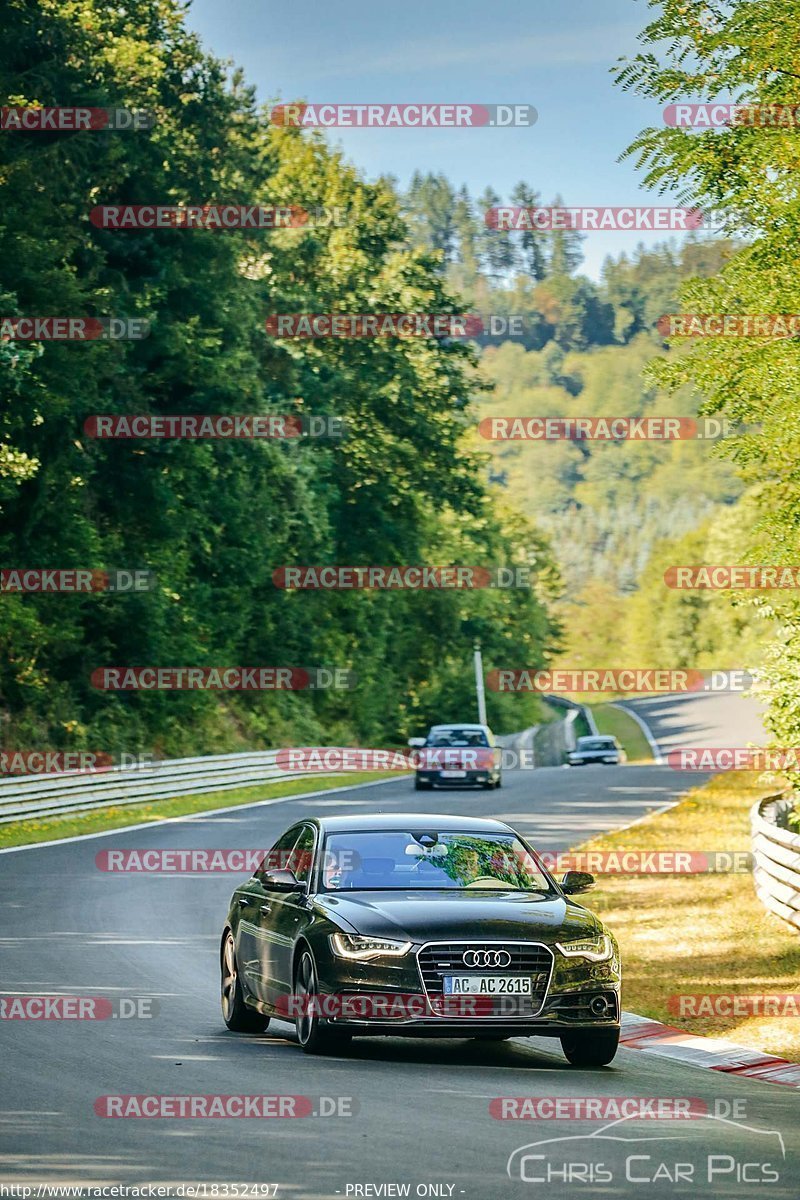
pixel 701 933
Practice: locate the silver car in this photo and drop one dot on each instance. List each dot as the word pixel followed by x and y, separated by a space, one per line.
pixel 596 749
pixel 458 754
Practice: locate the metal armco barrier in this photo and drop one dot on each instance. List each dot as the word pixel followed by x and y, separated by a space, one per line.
pixel 30 796
pixel 776 852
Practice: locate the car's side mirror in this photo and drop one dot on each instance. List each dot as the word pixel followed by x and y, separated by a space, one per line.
pixel 577 881
pixel 416 742
pixel 281 881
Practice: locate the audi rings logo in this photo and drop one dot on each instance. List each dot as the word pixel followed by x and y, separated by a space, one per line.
pixel 486 958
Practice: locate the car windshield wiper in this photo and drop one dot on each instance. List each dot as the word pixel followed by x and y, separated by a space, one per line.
pixel 410 887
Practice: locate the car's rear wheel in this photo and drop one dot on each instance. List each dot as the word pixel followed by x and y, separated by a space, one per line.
pixel 313 1036
pixel 237 1015
pixel 589 1047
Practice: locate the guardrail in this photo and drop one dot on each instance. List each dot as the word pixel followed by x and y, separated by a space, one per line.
pixel 43 796
pixel 31 796
pixel 776 859
pixel 555 740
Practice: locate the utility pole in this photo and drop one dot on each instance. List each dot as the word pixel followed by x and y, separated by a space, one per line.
pixel 479 683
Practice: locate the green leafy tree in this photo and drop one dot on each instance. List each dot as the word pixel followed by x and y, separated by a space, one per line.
pixel 746 174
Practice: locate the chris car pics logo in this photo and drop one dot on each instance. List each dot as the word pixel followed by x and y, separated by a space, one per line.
pixel 705 1155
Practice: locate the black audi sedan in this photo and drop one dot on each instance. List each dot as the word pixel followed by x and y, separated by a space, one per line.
pixel 418 925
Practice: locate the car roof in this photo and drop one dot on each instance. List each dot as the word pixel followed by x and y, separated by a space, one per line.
pixel 459 725
pixel 354 823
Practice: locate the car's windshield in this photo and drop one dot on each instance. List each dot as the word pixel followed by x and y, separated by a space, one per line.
pixel 457 737
pixel 597 743
pixel 427 859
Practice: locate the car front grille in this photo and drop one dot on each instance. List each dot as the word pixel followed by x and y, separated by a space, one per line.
pixel 533 959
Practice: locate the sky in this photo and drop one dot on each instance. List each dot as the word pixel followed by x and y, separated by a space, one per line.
pixel 555 56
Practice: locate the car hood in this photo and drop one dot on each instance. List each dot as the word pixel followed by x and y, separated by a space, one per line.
pixel 434 915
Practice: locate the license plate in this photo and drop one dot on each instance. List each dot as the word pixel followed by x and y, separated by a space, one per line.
pixel 453 774
pixel 487 985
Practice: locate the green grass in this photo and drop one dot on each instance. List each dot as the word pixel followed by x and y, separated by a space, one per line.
pixel 28 832
pixel 616 721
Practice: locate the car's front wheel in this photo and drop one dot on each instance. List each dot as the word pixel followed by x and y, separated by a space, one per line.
pixel 313 1036
pixel 589 1047
pixel 237 1015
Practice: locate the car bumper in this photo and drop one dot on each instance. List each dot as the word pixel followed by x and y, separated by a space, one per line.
pixel 473 777
pixel 555 1019
pixel 585 762
pixel 407 997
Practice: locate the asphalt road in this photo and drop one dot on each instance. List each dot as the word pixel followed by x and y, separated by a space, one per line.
pixel 422 1114
pixel 701 719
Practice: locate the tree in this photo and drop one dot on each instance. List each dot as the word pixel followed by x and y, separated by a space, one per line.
pixel 532 243
pixel 564 253
pixel 499 250
pixel 747 174
pixel 214 519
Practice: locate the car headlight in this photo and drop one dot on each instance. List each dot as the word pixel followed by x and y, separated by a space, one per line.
pixel 592 949
pixel 356 945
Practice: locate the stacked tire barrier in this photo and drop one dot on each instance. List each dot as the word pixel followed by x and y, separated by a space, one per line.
pixel 776 858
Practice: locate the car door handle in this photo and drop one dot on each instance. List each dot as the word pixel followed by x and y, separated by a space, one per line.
pixel 264 909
